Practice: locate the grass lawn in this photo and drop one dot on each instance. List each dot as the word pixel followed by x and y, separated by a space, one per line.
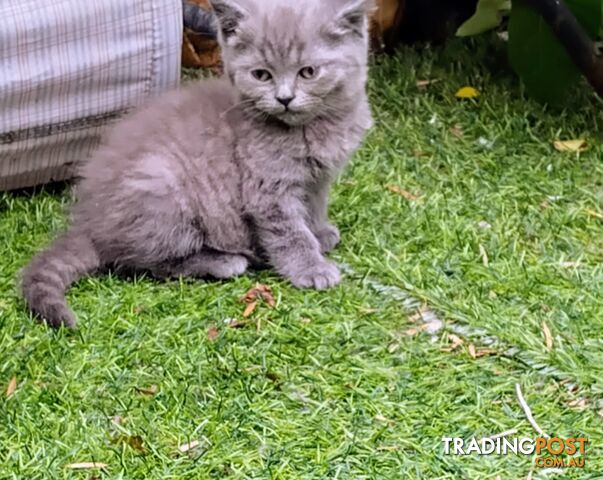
pixel 491 230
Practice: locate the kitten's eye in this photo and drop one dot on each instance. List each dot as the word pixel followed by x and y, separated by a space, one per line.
pixel 261 75
pixel 307 73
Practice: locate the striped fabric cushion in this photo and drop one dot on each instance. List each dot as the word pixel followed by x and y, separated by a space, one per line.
pixel 70 67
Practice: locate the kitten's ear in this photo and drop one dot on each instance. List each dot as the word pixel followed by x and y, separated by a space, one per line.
pixel 230 13
pixel 352 17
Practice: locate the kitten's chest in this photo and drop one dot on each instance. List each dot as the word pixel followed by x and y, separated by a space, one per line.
pixel 303 154
pixel 317 150
pixel 330 148
pixel 332 144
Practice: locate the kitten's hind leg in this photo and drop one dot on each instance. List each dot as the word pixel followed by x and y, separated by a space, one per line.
pixel 206 263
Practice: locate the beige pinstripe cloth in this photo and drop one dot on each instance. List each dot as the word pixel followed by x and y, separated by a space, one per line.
pixel 70 67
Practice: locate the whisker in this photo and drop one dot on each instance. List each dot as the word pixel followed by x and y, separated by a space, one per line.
pixel 236 105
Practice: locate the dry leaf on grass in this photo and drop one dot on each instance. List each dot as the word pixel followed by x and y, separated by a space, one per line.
pixel 411 332
pixel 419 153
pixel 600 413
pixel 388 448
pixel 484 352
pixel 187 447
pixel 404 193
pixel 234 323
pixel 11 387
pixel 422 84
pixel 578 404
pixel 212 333
pixel 578 145
pixel 250 309
pixel 418 315
pixel 476 353
pixel 135 442
pixel 260 291
pixel 432 324
pixel 457 131
pixel 369 311
pixel 86 465
pixel 571 387
pixel 150 391
pixel 548 338
pixel 456 343
pixel 484 255
pixel 467 92
pixel 593 213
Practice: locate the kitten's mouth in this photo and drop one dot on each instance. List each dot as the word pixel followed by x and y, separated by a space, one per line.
pixel 293 117
pixel 287 115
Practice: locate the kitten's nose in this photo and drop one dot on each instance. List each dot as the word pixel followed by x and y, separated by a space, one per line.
pixel 285 100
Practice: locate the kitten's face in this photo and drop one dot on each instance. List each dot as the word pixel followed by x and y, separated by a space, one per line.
pixel 295 62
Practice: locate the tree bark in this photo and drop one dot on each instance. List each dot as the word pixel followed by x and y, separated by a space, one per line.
pixel 574 39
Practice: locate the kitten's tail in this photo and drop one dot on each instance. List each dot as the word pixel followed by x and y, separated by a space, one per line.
pixel 51 272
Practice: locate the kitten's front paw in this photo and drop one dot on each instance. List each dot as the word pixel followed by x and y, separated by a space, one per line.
pixel 328 237
pixel 320 276
pixel 230 266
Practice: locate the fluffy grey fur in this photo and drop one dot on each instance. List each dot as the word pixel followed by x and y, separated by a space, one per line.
pixel 227 173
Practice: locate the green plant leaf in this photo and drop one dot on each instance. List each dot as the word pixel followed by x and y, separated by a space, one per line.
pixel 488 15
pixel 589 13
pixel 537 56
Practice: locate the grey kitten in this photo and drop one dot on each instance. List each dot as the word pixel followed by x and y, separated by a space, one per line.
pixel 227 173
